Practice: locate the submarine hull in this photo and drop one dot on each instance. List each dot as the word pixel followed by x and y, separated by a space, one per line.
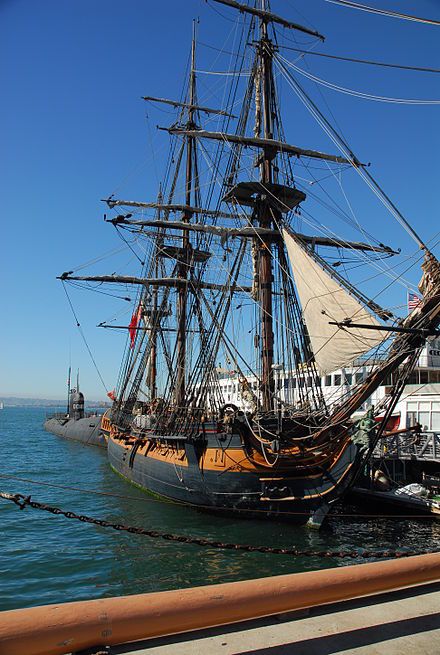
pixel 86 430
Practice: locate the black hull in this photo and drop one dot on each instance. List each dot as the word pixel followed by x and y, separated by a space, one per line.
pixel 246 493
pixel 85 430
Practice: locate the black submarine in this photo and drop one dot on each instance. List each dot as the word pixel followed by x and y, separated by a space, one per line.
pixel 76 423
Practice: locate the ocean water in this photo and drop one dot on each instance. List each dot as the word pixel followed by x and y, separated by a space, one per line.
pixel 50 559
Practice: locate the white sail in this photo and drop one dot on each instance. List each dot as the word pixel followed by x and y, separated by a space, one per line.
pixel 323 299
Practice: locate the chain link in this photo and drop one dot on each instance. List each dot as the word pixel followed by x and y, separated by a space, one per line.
pixel 25 501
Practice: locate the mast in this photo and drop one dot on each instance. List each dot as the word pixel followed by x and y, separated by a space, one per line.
pixel 68 388
pixel 265 221
pixel 154 319
pixel 186 244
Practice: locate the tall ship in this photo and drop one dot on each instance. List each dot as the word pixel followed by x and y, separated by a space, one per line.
pixel 233 293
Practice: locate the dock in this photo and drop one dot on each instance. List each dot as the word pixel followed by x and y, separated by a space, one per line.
pixel 406 621
pixel 387 606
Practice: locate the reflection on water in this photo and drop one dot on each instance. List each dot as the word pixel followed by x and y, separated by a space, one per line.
pixel 48 559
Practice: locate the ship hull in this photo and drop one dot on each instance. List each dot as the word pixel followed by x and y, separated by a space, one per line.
pixel 86 430
pixel 215 480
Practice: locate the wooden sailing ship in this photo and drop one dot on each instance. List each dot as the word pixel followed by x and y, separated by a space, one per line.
pixel 229 277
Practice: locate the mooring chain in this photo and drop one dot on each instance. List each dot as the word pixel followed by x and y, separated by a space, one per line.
pixel 25 501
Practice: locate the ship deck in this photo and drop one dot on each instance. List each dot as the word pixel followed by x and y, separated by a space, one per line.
pixel 406 621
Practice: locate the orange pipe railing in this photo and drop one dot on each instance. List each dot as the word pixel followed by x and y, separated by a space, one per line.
pixel 57 629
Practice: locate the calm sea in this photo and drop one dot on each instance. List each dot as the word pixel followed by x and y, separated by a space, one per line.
pixel 49 559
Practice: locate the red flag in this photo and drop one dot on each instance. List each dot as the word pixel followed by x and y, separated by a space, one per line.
pixel 112 394
pixel 133 325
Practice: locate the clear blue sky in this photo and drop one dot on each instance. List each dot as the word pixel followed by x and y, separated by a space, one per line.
pixel 74 130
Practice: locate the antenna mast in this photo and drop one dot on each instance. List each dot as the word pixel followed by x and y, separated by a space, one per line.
pixel 68 388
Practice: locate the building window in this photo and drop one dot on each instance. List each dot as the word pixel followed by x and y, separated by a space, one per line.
pixel 337 380
pixel 328 380
pixel 348 378
pixel 435 417
pixel 426 413
pixel 358 377
pixel 424 409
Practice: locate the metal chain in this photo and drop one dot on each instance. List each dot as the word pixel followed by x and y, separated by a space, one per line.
pixel 25 501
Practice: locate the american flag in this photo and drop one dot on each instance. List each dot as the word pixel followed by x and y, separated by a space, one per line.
pixel 413 301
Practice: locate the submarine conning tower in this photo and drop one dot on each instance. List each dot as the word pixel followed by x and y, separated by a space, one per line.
pixel 76 405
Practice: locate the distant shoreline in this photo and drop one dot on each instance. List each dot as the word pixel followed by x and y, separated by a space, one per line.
pixel 15 401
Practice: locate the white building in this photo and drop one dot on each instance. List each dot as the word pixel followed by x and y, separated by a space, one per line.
pixel 420 401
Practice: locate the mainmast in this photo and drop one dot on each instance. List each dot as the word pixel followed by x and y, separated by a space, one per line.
pixel 265 213
pixel 183 268
pixel 264 217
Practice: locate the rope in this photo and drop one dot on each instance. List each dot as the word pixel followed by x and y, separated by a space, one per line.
pixel 78 325
pixel 384 12
pixel 25 501
pixel 345 150
pixel 364 61
pixel 360 94
pixel 328 232
pixel 228 73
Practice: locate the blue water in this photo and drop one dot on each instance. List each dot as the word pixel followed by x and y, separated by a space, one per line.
pixel 49 559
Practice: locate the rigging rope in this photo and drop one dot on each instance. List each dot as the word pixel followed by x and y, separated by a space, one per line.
pixel 359 94
pixel 326 231
pixel 276 319
pixel 383 12
pixel 363 61
pixel 78 325
pixel 345 150
pixel 226 73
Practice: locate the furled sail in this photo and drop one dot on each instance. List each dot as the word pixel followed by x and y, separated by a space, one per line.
pixel 323 300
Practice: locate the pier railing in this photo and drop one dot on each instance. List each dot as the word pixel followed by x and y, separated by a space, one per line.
pixel 80 625
pixel 410 446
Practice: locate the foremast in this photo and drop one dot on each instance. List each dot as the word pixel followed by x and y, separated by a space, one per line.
pixel 155 316
pixel 183 267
